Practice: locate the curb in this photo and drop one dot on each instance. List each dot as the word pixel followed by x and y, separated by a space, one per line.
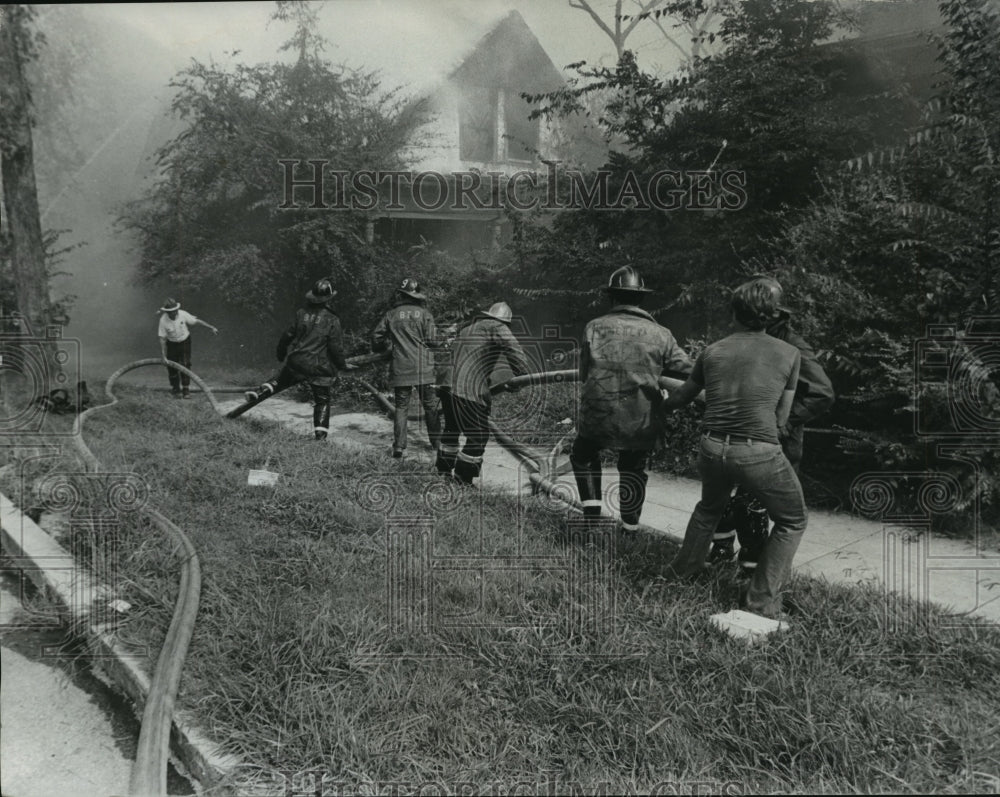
pixel 57 576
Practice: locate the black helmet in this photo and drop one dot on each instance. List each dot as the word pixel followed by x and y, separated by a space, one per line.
pixel 627 280
pixel 321 292
pixel 411 288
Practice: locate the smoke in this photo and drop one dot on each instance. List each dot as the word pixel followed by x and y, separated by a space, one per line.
pixel 101 99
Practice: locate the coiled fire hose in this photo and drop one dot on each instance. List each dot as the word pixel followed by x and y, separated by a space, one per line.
pixel 149 772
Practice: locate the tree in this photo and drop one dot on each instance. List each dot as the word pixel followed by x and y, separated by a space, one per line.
pixel 692 17
pixel 774 107
pixel 20 196
pixel 214 220
pixel 617 34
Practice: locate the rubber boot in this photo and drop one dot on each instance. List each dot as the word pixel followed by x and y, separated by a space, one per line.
pixel 321 420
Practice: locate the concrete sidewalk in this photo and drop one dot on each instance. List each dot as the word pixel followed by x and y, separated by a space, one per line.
pixel 839 547
pixel 59 735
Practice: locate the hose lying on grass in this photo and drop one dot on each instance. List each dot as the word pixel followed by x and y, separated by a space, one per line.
pixel 149 773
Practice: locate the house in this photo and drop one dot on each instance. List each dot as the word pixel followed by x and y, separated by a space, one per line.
pixel 479 133
pixel 894 43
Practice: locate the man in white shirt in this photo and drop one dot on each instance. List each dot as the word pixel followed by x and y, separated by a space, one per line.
pixel 175 343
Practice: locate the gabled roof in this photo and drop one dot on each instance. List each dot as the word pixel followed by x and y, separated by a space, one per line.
pixel 880 19
pixel 500 53
pixel 504 55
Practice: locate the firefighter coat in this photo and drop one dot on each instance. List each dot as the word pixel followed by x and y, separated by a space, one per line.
pixel 623 355
pixel 476 352
pixel 409 328
pixel 313 347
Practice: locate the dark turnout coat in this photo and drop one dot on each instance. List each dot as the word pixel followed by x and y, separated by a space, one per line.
pixel 313 347
pixel 623 355
pixel 475 354
pixel 409 329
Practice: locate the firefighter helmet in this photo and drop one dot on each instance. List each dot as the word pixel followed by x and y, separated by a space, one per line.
pixel 627 280
pixel 501 312
pixel 411 288
pixel 321 292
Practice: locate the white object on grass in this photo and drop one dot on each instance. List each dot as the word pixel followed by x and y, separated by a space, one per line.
pixel 746 625
pixel 262 478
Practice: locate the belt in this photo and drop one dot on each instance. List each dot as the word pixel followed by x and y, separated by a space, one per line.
pixel 725 437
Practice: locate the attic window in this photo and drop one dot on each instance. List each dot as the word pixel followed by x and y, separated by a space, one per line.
pixel 521 133
pixel 477 124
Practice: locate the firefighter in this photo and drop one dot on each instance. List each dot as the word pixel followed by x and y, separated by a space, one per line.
pixel 311 350
pixel 623 355
pixel 444 370
pixel 476 351
pixel 175 343
pixel 746 518
pixel 408 329
pixel 750 379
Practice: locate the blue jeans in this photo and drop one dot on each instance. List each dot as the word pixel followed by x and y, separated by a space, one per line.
pixel 764 472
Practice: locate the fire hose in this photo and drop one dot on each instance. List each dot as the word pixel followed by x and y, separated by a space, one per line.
pixel 541 478
pixel 361 359
pixel 149 772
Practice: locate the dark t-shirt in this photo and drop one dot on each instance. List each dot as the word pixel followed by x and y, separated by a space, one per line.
pixel 744 376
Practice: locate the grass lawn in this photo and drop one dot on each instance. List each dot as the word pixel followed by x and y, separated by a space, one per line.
pixel 295 664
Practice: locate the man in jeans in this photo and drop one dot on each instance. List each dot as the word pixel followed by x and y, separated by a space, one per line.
pixel 408 329
pixel 745 516
pixel 749 380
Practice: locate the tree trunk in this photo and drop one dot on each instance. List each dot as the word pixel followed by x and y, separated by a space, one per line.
pixel 17 168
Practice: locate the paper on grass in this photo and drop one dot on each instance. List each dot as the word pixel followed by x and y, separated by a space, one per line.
pixel 262 478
